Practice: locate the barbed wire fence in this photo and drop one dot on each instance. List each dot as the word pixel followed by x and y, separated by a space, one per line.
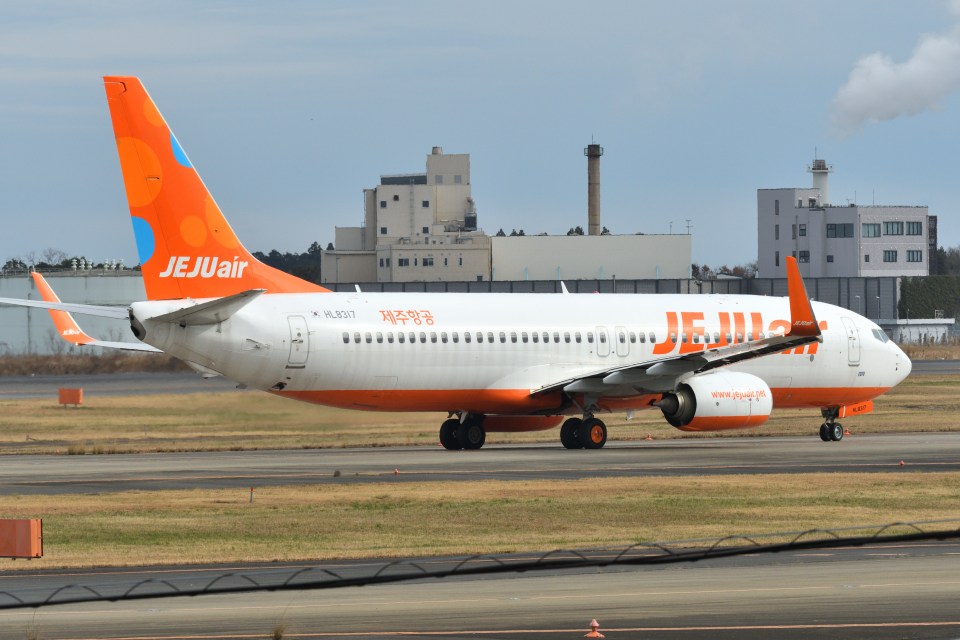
pixel 334 575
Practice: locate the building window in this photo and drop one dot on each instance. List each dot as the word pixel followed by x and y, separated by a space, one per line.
pixel 444 262
pixel 889 255
pixel 426 230
pixel 914 255
pixel 804 256
pixel 844 230
pixel 914 229
pixel 426 204
pixel 383 231
pixel 866 257
pixel 457 179
pixel 461 261
pixel 793 232
pixel 893 228
pixel 383 204
pixel 776 207
pixel 776 232
pixel 414 262
pixel 438 179
pixel 776 258
pixel 428 262
pixel 396 198
pixel 829 258
pixel 403 262
pixel 870 229
pixel 381 262
pixel 803 230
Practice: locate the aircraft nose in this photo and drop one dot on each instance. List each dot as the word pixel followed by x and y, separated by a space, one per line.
pixel 902 364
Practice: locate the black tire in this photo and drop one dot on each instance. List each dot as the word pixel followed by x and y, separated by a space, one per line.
pixel 825 432
pixel 836 432
pixel 593 434
pixel 448 435
pixel 570 433
pixel 471 435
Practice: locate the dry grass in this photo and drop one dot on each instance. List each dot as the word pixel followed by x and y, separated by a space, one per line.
pixel 420 519
pixel 86 363
pixel 255 420
pixel 948 351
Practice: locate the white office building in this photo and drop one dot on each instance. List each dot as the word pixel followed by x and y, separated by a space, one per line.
pixel 829 240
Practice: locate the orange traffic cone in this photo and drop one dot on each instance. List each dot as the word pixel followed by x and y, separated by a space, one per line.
pixel 649 437
pixel 846 432
pixel 594 633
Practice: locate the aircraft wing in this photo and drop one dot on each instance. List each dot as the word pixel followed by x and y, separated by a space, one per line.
pixel 662 374
pixel 67 327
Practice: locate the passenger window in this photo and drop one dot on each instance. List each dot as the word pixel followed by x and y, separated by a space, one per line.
pixel 546 338
pixel 750 337
pixel 466 337
pixel 590 337
pixel 479 337
pixel 379 338
pixel 433 336
pixel 633 338
pixel 653 337
pixel 456 337
pixel 673 338
pixel 536 337
pixel 566 337
pixel 413 337
pixel 390 337
pixel 423 337
pixel 356 337
pixel 503 337
pixel 603 337
pixel 729 338
pixel 696 338
pixel 523 337
pixel 577 337
pixel 513 336
pixel 490 336
pixel 642 336
pixel 401 337
pixel 683 337
pixel 369 337
pixel 739 337
pixel 716 337
pixel 556 337
pixel 346 337
pixel 443 337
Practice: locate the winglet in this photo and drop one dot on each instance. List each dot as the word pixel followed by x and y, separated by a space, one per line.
pixel 802 320
pixel 66 326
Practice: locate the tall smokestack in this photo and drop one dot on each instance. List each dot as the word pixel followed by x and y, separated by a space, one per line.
pixel 821 176
pixel 593 153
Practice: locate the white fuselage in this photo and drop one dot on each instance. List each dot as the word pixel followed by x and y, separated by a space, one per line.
pixel 487 353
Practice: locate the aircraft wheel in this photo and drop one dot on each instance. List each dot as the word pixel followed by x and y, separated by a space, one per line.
pixel 825 432
pixel 836 432
pixel 448 435
pixel 593 433
pixel 471 435
pixel 570 433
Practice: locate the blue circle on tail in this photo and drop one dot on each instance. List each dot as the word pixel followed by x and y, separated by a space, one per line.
pixel 178 152
pixel 146 243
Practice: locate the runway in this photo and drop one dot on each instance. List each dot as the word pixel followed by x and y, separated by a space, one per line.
pixel 38 474
pixel 887 591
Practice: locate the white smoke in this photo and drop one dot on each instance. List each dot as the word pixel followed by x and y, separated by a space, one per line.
pixel 880 89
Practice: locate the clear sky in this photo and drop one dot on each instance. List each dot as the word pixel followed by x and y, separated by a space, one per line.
pixel 289 109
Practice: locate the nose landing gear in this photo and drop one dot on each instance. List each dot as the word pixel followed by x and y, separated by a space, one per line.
pixel 831 430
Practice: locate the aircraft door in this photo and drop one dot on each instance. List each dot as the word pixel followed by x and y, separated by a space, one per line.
pixel 853 342
pixel 299 342
pixel 603 341
pixel 620 339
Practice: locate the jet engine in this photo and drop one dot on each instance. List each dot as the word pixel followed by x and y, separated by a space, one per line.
pixel 718 400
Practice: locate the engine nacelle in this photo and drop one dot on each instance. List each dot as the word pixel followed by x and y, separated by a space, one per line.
pixel 719 400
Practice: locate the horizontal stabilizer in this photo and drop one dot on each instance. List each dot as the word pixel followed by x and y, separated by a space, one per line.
pixel 210 312
pixel 120 313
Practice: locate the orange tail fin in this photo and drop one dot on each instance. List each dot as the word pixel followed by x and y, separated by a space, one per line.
pixel 186 247
pixel 66 326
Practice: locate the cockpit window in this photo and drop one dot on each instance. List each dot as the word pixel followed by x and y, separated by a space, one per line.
pixel 880 335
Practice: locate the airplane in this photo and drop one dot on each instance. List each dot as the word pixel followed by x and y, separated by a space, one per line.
pixel 492 362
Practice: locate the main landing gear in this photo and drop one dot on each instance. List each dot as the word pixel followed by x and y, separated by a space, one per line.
pixel 831 430
pixel 468 434
pixel 588 433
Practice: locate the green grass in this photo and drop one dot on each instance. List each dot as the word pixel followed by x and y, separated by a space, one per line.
pixel 435 518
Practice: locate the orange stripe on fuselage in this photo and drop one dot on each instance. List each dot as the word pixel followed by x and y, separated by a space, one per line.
pixel 520 402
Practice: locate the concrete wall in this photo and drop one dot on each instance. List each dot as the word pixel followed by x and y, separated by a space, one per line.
pixel 25 330
pixel 591 257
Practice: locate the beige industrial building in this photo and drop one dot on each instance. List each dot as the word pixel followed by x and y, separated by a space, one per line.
pixel 423 228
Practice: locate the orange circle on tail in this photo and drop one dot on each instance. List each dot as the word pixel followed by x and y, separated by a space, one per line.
pixel 151 113
pixel 142 174
pixel 193 231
